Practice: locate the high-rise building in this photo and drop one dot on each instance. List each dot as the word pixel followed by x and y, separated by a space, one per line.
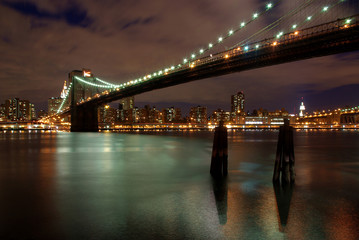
pixel 127 103
pixel 19 110
pixel 155 116
pixel 126 110
pixel 107 115
pixel 301 109
pixel 237 103
pixel 168 115
pixel 2 112
pixel 198 115
pixel 220 115
pixel 53 105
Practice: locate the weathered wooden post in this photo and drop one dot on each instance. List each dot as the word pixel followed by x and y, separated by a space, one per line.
pixel 219 162
pixel 284 162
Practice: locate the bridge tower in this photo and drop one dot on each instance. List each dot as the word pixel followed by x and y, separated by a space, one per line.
pixel 84 118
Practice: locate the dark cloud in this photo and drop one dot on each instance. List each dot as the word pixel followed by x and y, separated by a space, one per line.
pixel 73 14
pixel 42 41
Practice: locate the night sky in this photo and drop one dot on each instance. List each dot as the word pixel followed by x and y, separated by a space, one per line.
pixel 41 41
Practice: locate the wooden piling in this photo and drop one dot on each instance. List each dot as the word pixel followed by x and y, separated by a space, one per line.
pixel 284 162
pixel 219 161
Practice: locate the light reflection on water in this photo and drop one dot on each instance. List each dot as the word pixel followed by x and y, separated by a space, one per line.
pixel 157 186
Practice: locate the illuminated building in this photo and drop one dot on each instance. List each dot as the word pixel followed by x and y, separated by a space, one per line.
pixel 301 109
pixel 171 114
pixel 220 115
pixel 237 108
pixel 53 105
pixel 2 112
pixel 126 113
pixel 127 103
pixel 19 110
pixel 198 115
pixel 107 115
pixel 64 91
pixel 237 102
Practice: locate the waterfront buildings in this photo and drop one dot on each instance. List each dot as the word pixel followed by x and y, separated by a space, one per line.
pixel 16 109
pixel 198 115
pixel 53 105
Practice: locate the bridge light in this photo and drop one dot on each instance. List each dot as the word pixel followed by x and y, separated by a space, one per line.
pixel 257 46
pixel 155 74
pixel 243 24
pixel 172 68
pixel 185 60
pixel 226 56
pixel 201 51
pixel 294 26
pixel 193 56
pixel 269 6
pixel 160 72
pixel 348 21
pixel 220 39
pixel 230 32
pixel 309 18
pixel 296 33
pixel 255 15
pixel 246 48
pixel 210 45
pixel 325 8
pixel 275 43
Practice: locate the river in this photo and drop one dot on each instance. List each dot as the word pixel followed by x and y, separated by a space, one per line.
pixel 156 185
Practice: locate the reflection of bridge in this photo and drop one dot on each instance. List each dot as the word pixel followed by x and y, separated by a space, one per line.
pixel 329 38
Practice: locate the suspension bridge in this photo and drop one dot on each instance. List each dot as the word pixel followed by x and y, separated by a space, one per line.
pixel 282 32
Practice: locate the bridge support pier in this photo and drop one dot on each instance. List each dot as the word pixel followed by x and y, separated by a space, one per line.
pixel 284 163
pixel 84 118
pixel 219 162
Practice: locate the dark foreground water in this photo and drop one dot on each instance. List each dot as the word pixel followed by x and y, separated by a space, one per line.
pixel 157 186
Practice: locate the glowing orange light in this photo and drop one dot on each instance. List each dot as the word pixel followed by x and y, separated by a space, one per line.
pixel 296 33
pixel 226 56
pixel 346 26
pixel 275 43
pixel 87 73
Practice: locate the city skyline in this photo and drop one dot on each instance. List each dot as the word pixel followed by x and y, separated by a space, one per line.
pixel 43 42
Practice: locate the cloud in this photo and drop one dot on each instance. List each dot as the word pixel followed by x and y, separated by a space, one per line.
pixel 73 14
pixel 43 41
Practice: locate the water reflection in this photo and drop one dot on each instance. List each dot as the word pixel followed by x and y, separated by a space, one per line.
pixel 220 191
pixel 283 194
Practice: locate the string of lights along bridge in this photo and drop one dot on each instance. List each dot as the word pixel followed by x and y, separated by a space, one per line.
pixel 260 30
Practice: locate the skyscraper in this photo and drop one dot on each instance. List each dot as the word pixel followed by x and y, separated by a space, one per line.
pixel 16 109
pixel 237 102
pixel 301 109
pixel 53 105
pixel 198 115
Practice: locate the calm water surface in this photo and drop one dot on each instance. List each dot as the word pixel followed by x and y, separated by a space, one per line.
pixel 157 186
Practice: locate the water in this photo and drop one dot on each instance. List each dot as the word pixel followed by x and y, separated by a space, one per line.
pixel 157 186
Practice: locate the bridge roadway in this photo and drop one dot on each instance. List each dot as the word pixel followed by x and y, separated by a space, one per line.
pixel 322 40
